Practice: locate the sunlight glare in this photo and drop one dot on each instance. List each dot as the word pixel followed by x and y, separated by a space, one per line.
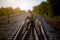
pixel 25 6
pixel 22 4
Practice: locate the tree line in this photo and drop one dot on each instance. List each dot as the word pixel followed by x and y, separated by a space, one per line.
pixel 8 11
pixel 48 8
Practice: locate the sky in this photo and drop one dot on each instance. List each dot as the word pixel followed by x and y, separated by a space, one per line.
pixel 22 4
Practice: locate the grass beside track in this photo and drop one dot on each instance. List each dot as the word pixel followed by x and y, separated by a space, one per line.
pixel 3 30
pixel 54 22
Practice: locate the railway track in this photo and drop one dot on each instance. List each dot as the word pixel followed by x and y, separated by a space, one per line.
pixel 29 31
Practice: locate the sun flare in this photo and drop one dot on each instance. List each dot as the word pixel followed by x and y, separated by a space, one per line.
pixel 25 6
pixel 22 4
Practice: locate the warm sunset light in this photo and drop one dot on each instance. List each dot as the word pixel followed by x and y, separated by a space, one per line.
pixel 22 4
pixel 29 19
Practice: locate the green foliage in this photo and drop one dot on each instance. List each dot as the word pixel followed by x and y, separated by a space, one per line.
pixel 49 8
pixel 41 9
pixel 55 6
pixel 8 11
pixel 17 10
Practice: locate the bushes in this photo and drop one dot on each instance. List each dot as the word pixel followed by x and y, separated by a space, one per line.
pixel 8 11
pixel 50 8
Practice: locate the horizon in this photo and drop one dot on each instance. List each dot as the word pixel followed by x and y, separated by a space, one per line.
pixel 22 4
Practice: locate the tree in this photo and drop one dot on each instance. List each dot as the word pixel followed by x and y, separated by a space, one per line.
pixel 41 8
pixel 49 8
pixel 55 6
pixel 17 10
pixel 8 11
